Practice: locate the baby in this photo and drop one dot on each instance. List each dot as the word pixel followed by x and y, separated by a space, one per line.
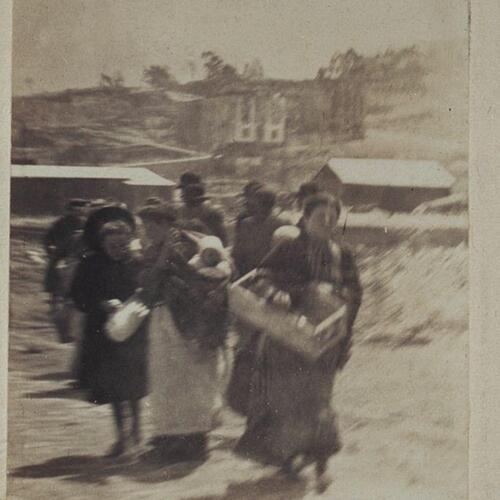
pixel 211 261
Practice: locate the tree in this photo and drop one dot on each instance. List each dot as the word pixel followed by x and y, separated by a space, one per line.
pixel 105 81
pixel 158 76
pixel 253 71
pixel 401 69
pixel 118 79
pixel 216 69
pixel 192 69
pixel 349 63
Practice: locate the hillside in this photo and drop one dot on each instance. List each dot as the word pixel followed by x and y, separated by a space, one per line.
pixel 91 125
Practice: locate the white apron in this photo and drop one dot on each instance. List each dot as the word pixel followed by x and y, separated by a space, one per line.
pixel 184 381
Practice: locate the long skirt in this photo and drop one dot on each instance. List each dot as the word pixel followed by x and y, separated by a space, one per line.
pixel 290 411
pixel 184 379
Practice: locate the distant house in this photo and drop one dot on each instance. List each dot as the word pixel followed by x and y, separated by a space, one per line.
pixel 39 189
pixel 393 185
pixel 243 118
pixel 250 116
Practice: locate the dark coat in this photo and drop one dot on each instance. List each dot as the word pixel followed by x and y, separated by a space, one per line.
pixel 59 242
pixel 111 371
pixel 60 235
pixel 252 241
pixel 289 263
pixel 289 409
pixel 203 218
pixel 199 306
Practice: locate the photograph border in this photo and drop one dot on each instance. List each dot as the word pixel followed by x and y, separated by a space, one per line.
pixel 484 214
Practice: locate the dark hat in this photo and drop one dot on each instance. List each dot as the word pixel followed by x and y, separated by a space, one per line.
pixel 307 189
pixel 153 201
pixel 100 217
pixel 158 213
pixel 188 179
pixel 76 203
pixel 251 187
pixel 311 202
pixel 265 198
pixel 100 202
pixel 194 192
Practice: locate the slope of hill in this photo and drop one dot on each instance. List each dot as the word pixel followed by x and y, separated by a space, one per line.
pixel 77 126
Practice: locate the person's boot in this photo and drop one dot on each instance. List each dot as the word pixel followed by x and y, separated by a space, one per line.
pixel 192 447
pixel 323 479
pixel 118 449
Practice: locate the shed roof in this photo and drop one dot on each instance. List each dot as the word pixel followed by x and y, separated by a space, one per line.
pixel 129 175
pixel 394 173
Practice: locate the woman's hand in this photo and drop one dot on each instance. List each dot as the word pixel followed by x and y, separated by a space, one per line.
pixel 282 299
pixel 112 305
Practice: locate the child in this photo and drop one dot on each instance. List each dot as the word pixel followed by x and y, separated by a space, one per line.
pixel 211 260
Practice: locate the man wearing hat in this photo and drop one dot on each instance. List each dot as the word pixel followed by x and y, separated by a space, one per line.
pixel 197 215
pixel 60 238
pixel 188 179
pixel 247 193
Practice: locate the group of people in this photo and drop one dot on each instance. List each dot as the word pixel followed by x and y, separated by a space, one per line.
pixel 181 272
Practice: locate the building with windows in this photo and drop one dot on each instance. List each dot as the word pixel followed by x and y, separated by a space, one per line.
pixel 110 126
pixel 252 116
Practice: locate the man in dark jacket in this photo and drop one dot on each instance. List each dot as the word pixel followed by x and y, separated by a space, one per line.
pixel 254 234
pixel 248 191
pixel 60 238
pixel 196 214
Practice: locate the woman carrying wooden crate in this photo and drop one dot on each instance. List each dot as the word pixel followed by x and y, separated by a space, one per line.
pixel 290 420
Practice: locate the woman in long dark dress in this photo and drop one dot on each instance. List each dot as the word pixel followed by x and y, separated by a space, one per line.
pixel 290 415
pixel 112 372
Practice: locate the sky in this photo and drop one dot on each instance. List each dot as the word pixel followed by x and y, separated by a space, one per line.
pixel 59 44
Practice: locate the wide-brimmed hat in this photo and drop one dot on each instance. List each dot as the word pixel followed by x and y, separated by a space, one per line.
pixel 76 203
pixel 195 192
pixel 307 189
pixel 188 179
pixel 153 201
pixel 98 203
pixel 265 198
pixel 250 187
pixel 158 213
pixel 100 217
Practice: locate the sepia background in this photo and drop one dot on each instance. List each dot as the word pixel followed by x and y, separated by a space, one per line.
pixel 78 68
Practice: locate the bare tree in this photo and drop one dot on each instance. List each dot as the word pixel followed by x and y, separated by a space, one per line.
pixel 105 81
pixel 118 79
pixel 253 71
pixel 216 69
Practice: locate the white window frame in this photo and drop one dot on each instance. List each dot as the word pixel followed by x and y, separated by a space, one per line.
pixel 277 129
pixel 246 132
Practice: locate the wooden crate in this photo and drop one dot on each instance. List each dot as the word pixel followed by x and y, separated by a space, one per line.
pixel 290 328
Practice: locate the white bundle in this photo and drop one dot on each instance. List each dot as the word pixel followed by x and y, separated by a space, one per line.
pixel 126 320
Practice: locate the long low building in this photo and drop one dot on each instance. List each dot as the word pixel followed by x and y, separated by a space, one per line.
pixel 45 189
pixel 392 185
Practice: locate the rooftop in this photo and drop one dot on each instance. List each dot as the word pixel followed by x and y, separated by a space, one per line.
pixel 394 173
pixel 129 175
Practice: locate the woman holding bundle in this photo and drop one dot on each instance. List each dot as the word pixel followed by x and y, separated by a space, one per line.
pixel 185 334
pixel 290 419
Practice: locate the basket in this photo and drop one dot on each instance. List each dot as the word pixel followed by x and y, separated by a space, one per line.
pixel 291 328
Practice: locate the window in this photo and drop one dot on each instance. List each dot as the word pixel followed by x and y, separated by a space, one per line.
pixel 274 128
pixel 246 124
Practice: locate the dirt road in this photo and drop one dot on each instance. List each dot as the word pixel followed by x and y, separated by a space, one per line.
pixel 402 411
